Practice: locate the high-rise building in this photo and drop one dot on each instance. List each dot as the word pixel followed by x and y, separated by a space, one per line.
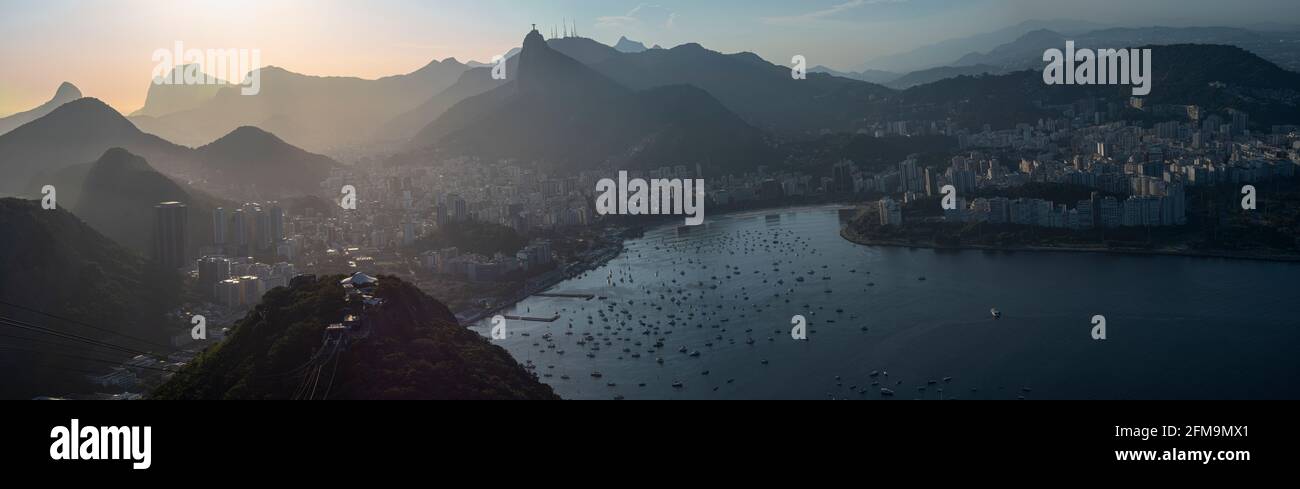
pixel 238 229
pixel 842 178
pixel 909 172
pixel 277 223
pixel 1111 213
pixel 408 233
pixel 262 219
pixel 459 209
pixel 1240 121
pixel 169 234
pixel 219 226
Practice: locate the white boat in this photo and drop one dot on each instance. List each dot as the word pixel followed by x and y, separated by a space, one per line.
pixel 996 313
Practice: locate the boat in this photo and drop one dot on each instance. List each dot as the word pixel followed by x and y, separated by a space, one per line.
pixel 996 313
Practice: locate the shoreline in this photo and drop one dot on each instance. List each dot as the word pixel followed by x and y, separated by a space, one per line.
pixel 573 270
pixel 855 238
pixel 612 252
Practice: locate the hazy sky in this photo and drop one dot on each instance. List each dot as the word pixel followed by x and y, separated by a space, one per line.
pixel 104 47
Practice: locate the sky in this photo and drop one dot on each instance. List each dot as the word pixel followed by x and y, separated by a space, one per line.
pixel 105 47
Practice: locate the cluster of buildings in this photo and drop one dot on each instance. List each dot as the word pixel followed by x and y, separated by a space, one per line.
pixel 241 282
pixel 477 268
pixel 134 375
pixel 252 228
pixel 1096 212
pixel 1153 167
pixel 400 203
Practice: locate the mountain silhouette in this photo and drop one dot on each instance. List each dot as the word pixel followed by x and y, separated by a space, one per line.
pixel 118 196
pixel 1026 51
pixel 763 94
pixel 316 113
pixel 479 80
pixel 566 113
pixel 943 53
pixel 56 149
pixel 626 45
pixel 473 82
pixel 251 156
pixel 75 133
pixel 1213 77
pixel 878 77
pixel 170 98
pixel 931 75
pixel 65 93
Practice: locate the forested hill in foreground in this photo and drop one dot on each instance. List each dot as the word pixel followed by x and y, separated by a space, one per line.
pixel 54 262
pixel 415 350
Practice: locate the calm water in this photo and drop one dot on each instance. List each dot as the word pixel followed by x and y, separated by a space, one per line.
pixel 1176 327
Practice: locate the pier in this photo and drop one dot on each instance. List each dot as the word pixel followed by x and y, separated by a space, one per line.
pixel 534 319
pixel 566 296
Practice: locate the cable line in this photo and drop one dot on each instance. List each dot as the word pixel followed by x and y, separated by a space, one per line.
pixel 82 324
pixel 14 323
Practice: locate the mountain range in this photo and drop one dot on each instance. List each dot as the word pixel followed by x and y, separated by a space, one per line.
pixel 943 53
pixel 80 132
pixel 166 98
pixel 879 77
pixel 682 105
pixel 75 133
pixel 1213 77
pixel 765 95
pixel 931 75
pixel 312 112
pixel 1021 46
pixel 555 100
pixel 1026 51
